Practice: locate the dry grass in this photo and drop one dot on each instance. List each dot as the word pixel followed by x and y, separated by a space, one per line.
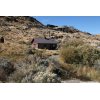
pixel 51 52
pixel 13 51
pixel 84 73
pixel 89 73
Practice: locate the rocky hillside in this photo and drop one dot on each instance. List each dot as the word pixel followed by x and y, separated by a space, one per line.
pixel 9 23
pixel 67 29
pixel 22 20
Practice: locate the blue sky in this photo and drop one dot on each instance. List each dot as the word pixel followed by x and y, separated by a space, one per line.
pixel 85 23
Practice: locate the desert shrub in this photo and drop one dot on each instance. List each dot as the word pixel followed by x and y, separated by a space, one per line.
pixel 3 75
pixel 16 76
pixel 44 71
pixel 43 62
pixel 79 53
pixel 6 68
pixel 41 74
pixel 6 65
pixel 70 55
pixel 89 55
pixel 41 77
pixel 23 66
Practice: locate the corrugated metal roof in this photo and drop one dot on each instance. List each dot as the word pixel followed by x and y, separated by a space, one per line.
pixel 43 40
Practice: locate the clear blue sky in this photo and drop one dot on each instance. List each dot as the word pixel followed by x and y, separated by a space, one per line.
pixel 85 23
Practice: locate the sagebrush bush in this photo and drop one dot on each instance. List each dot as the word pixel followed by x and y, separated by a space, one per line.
pixel 6 69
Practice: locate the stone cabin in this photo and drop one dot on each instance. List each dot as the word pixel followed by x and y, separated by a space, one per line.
pixel 44 43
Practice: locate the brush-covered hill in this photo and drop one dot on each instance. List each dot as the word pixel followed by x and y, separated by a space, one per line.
pixel 19 62
pixel 24 28
pixel 21 20
pixel 68 29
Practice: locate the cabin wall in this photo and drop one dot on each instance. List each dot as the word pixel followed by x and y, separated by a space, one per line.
pixel 47 46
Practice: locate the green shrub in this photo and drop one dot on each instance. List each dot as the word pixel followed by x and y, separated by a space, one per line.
pixel 76 52
pixel 70 55
pixel 89 55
